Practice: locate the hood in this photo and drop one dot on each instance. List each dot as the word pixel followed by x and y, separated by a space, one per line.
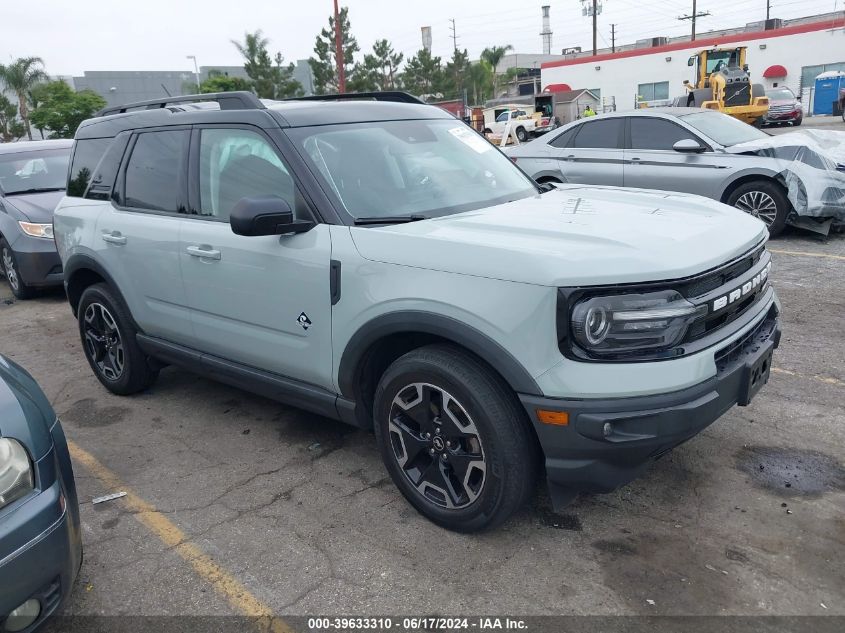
pixel 823 149
pixel 37 207
pixel 25 413
pixel 576 235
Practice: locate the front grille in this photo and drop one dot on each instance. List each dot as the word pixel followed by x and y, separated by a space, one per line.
pixel 733 276
pixel 708 282
pixel 737 94
pixel 781 109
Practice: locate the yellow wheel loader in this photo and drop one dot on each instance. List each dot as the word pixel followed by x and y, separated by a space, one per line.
pixel 722 83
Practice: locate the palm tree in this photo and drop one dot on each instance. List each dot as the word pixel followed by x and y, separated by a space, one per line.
pixel 493 55
pixel 20 77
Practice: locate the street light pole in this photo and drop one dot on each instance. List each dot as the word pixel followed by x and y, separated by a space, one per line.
pixel 196 68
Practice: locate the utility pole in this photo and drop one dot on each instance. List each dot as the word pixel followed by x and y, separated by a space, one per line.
pixel 454 34
pixel 592 8
pixel 768 9
pixel 695 14
pixel 338 52
pixel 612 38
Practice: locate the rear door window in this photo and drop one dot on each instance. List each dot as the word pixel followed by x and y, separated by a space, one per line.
pixel 603 134
pixel 154 177
pixel 564 139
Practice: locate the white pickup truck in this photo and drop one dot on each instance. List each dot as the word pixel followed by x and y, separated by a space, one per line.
pixel 521 123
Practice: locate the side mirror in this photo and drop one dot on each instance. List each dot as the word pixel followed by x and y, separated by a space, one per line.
pixel 265 215
pixel 687 146
pixel 691 61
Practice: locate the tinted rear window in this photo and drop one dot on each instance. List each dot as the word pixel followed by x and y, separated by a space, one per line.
pixel 564 139
pixel 86 155
pixel 152 174
pixel 599 134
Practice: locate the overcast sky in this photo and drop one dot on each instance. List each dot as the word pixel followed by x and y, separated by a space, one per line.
pixel 73 37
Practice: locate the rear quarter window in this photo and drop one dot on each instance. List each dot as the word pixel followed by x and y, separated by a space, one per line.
pixel 86 155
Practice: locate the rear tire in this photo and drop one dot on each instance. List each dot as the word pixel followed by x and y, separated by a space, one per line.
pixel 522 134
pixel 454 439
pixel 765 200
pixel 9 262
pixel 108 341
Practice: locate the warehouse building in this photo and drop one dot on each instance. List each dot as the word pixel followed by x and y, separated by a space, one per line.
pixel 126 86
pixel 780 53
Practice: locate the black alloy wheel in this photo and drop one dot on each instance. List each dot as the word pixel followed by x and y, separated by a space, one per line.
pixel 437 445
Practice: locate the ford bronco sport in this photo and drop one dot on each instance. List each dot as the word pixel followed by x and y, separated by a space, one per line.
pixel 381 263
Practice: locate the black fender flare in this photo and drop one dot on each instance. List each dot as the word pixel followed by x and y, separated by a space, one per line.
pixel 417 321
pixel 80 261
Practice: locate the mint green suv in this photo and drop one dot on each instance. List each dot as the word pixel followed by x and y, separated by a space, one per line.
pixel 377 261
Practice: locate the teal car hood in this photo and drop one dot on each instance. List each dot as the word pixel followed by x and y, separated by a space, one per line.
pixel 577 235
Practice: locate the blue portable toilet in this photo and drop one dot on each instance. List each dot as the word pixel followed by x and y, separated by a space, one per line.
pixel 827 90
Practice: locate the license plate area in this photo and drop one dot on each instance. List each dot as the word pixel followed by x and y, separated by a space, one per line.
pixel 755 374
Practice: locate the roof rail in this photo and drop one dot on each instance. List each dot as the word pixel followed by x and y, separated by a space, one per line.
pixel 238 100
pixel 396 96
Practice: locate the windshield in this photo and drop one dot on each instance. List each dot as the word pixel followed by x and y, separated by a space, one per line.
pixel 781 94
pixel 33 171
pixel 723 129
pixel 399 168
pixel 721 59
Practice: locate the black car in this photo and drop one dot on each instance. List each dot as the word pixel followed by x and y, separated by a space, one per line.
pixel 33 176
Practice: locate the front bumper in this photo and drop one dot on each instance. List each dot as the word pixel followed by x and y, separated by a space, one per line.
pixel 42 547
pixel 784 117
pixel 609 442
pixel 37 260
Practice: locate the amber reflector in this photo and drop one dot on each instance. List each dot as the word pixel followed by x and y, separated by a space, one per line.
pixel 560 418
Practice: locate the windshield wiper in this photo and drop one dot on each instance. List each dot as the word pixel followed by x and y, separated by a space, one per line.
pixel 390 219
pixel 39 190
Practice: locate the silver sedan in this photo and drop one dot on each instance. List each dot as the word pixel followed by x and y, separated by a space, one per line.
pixel 796 178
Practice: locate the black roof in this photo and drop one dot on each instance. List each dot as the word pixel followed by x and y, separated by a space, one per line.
pixel 263 113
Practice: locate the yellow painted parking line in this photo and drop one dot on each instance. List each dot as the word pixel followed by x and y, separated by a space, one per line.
pixel 825 379
pixel 807 254
pixel 168 533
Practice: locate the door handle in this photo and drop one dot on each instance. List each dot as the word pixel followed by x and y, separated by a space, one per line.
pixel 203 252
pixel 571 157
pixel 114 237
pixel 635 159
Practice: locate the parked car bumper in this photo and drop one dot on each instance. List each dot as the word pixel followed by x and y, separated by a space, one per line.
pixel 609 442
pixel 37 261
pixel 40 543
pixel 785 117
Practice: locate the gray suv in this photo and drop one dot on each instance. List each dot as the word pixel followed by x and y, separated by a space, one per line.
pixel 377 261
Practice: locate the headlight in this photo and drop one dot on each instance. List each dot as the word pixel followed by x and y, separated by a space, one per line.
pixel 16 478
pixel 37 230
pixel 620 324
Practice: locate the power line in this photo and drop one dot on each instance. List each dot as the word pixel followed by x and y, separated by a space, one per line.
pixel 692 17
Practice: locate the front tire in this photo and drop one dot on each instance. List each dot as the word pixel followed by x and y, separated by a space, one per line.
pixel 454 439
pixel 765 200
pixel 108 340
pixel 19 287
